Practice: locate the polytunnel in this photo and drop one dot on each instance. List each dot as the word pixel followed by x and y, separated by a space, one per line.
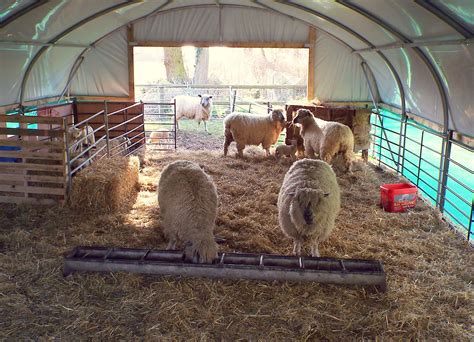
pixel 413 61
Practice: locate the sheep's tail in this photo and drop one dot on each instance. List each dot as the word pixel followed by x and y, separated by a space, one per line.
pixel 303 207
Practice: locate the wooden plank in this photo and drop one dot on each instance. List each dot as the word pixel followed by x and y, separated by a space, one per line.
pixel 32 178
pixel 311 62
pixel 31 119
pixel 242 44
pixel 131 72
pixel 33 132
pixel 33 189
pixel 33 144
pixel 21 200
pixel 31 155
pixel 32 167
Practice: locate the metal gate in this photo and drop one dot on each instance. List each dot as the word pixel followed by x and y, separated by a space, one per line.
pixel 160 125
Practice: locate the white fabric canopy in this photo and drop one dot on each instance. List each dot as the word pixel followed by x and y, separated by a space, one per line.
pixel 40 42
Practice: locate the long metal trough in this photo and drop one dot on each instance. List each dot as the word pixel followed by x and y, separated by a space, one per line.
pixel 267 267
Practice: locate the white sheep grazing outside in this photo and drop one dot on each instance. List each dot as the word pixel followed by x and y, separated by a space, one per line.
pixel 188 203
pixel 198 108
pixel 325 138
pixel 308 203
pixel 250 129
pixel 287 150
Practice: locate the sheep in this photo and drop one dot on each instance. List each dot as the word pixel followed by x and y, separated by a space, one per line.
pixel 308 203
pixel 325 138
pixel 191 107
pixel 286 150
pixel 159 136
pixel 188 203
pixel 74 134
pixel 251 129
pixel 117 146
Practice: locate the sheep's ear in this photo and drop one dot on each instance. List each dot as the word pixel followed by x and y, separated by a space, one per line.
pixel 199 95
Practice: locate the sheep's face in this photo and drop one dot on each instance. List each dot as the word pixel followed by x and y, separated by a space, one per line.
pixel 302 115
pixel 74 132
pixel 278 117
pixel 206 100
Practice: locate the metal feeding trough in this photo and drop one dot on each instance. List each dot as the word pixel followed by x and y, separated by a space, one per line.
pixel 267 267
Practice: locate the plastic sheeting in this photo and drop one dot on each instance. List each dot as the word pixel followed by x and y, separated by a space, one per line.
pixel 227 24
pixel 457 63
pixel 338 73
pixel 105 70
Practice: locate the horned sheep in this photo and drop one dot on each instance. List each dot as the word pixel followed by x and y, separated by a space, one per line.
pixel 192 107
pixel 308 203
pixel 250 129
pixel 188 203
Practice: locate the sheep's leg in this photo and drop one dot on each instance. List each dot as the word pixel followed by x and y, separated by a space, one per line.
pixel 228 140
pixel 177 124
pixel 240 150
pixel 348 161
pixel 327 157
pixel 315 249
pixel 310 152
pixel 205 127
pixel 171 243
pixel 297 247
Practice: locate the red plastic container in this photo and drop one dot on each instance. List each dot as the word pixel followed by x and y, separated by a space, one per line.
pixel 398 197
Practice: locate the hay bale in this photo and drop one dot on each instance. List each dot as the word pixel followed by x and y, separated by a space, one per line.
pixel 361 129
pixel 108 185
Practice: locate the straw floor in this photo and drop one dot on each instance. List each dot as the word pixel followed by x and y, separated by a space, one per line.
pixel 429 268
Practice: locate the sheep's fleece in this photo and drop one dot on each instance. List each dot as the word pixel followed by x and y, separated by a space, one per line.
pixel 188 203
pixel 308 203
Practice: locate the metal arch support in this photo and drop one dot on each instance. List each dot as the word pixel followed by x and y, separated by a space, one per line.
pixel 22 12
pixel 63 34
pixel 434 73
pixel 81 55
pixel 448 19
pixel 363 39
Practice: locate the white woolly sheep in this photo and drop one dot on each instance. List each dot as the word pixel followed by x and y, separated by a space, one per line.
pixel 308 203
pixel 192 107
pixel 251 129
pixel 287 150
pixel 325 138
pixel 188 203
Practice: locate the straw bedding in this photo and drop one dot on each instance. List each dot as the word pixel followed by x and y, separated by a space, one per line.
pixel 108 185
pixel 429 268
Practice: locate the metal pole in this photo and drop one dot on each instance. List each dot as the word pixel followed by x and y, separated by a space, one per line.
pixel 469 229
pixel 234 98
pixel 106 123
pixel 175 123
pixel 419 158
pixel 363 64
pixel 401 151
pixel 444 171
pixel 68 159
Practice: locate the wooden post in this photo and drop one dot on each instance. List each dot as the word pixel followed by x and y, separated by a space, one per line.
pixel 131 72
pixel 311 61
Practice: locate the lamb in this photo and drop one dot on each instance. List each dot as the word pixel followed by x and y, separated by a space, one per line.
pixel 188 202
pixel 158 136
pixel 191 107
pixel 325 138
pixel 286 150
pixel 308 203
pixel 117 146
pixel 251 129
